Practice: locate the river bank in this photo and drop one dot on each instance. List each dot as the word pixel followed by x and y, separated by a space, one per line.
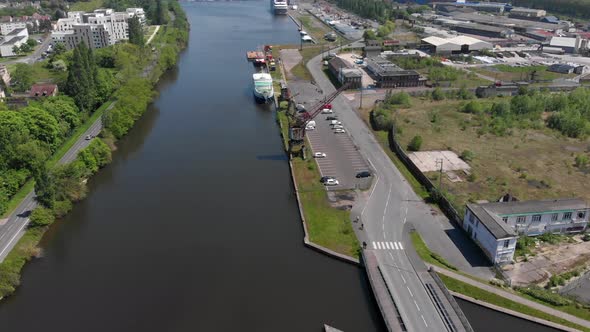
pixel 168 42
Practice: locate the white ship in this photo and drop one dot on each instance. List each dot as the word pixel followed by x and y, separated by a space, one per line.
pixel 279 7
pixel 263 89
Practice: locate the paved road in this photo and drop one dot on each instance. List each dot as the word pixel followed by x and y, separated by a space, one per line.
pixel 13 227
pixel 384 215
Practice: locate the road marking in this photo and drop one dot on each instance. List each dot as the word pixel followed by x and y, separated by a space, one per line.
pixel 416 303
pixel 378 245
pixel 387 245
pixel 400 246
pixel 370 195
pixel 374 246
pixel 404 220
pixel 401 275
pixel 412 295
pixel 395 244
pixel 424 320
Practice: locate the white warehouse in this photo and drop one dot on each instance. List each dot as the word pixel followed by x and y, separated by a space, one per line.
pixel 459 44
pixel 496 226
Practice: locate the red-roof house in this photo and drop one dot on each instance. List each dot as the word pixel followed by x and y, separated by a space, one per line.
pixel 43 90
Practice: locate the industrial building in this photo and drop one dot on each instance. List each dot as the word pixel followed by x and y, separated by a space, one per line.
pixel 483 30
pixel 389 75
pixel 345 72
pixel 495 227
pixel 571 45
pixel 459 44
pixel 490 7
pixel 527 13
pixel 518 25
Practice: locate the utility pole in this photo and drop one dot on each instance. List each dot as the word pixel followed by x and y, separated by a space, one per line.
pixel 361 104
pixel 440 175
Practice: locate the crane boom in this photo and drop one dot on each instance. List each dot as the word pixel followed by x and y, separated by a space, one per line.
pixel 317 108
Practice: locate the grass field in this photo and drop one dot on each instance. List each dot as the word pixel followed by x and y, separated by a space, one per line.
pixel 483 295
pixel 530 164
pixel 427 255
pixel 510 73
pixel 86 6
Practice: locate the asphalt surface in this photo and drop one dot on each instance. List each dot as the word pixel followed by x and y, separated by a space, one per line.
pixel 13 227
pixel 342 161
pixel 383 216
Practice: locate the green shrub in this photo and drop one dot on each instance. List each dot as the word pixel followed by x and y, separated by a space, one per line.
pixel 42 217
pixel 381 119
pixel 467 155
pixel 400 98
pixel 415 144
pixel 545 296
pixel 61 208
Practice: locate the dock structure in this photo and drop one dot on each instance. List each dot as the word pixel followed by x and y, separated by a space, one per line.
pixel 253 55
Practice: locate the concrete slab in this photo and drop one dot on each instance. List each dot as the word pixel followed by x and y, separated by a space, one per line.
pixel 426 161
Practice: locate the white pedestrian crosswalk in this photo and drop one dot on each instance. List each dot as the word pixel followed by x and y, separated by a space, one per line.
pixel 388 245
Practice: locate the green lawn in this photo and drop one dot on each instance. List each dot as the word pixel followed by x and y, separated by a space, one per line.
pixel 483 295
pixel 427 255
pixel 10 268
pixel 86 6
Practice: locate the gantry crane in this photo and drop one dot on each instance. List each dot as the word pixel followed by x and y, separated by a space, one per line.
pixel 298 120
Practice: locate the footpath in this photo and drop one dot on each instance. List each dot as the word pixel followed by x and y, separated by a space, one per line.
pixel 515 298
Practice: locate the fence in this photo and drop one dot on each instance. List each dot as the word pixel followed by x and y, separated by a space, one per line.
pixel 446 207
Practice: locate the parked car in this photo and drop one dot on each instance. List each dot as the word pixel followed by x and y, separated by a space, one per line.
pixel 335 122
pixel 337 127
pixel 339 131
pixel 308 128
pixel 327 111
pixel 363 174
pixel 331 182
pixel 323 179
pixel 332 117
pixel 359 62
pixel 327 106
pixel 319 155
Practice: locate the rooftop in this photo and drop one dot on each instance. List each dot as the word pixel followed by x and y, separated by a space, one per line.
pixel 42 89
pixel 15 32
pixel 384 67
pixel 563 42
pixel 490 214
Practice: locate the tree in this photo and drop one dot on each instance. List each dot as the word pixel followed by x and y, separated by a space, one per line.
pixel 42 126
pixel 467 155
pixel 161 17
pixel 473 107
pixel 82 78
pixel 135 31
pixel 581 161
pixel 44 187
pixel 415 144
pixel 500 109
pixel 382 119
pixel 22 77
pixel 42 217
pixel 45 25
pixel 369 35
pixel 25 48
pixel 400 98
pixel 31 42
pixel 16 49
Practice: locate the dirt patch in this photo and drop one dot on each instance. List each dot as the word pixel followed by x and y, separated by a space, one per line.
pixel 290 58
pixel 549 260
pixel 341 200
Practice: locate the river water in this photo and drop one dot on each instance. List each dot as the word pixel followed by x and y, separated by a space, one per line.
pixel 194 226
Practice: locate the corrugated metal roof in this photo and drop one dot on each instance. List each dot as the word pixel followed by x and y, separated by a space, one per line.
pixel 436 41
pixel 563 42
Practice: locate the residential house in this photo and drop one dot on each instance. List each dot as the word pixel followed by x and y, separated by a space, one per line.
pixel 43 90
pixel 496 226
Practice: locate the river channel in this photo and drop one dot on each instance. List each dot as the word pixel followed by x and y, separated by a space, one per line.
pixel 194 226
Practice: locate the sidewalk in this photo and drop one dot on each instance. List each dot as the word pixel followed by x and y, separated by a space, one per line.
pixel 514 297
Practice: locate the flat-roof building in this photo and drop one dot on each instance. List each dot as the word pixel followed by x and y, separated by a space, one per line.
pixel 345 72
pixel 496 226
pixel 390 75
pixel 527 13
pixel 459 44
pixel 483 30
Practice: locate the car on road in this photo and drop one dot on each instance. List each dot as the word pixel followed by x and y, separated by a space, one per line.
pixel 337 127
pixel 319 155
pixel 323 179
pixel 359 61
pixel 335 122
pixel 327 111
pixel 331 182
pixel 363 174
pixel 329 106
pixel 339 131
pixel 308 128
pixel 332 117
pixel 88 137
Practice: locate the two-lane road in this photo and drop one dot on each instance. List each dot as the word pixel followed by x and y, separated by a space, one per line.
pixel 13 227
pixel 384 215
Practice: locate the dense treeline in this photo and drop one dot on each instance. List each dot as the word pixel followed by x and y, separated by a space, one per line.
pixel 574 8
pixel 568 113
pixel 29 136
pixel 378 10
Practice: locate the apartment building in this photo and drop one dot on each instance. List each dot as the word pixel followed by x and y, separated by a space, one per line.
pixel 93 35
pixel 496 226
pixel 115 23
pixel 139 12
pixel 7 27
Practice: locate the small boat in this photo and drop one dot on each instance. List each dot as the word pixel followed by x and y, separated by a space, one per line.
pixel 263 88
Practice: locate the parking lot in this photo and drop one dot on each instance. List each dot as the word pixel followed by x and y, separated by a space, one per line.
pixel 342 161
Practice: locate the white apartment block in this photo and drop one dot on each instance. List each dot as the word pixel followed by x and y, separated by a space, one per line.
pixel 93 35
pixel 496 226
pixel 7 27
pixel 139 12
pixel 115 24
pixel 76 15
pixel 66 24
pixel 16 37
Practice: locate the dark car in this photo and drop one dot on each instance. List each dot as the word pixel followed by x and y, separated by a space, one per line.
pixel 332 117
pixel 363 174
pixel 325 178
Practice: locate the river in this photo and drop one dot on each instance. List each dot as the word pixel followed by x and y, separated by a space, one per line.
pixel 194 226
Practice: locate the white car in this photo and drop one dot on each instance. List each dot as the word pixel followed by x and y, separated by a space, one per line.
pixel 335 122
pixel 310 128
pixel 319 155
pixel 331 182
pixel 327 111
pixel 339 131
pixel 337 127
